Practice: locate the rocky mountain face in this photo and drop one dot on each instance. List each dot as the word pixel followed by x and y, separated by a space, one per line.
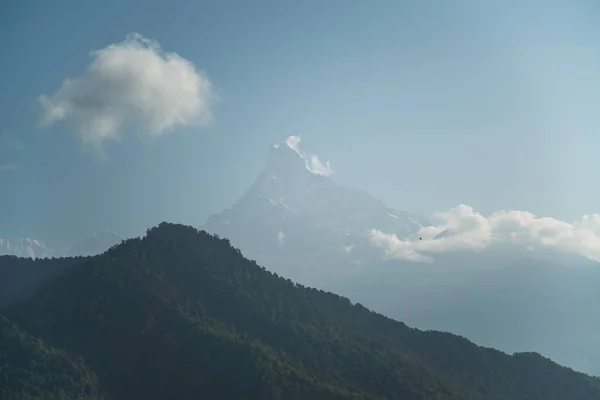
pixel 295 221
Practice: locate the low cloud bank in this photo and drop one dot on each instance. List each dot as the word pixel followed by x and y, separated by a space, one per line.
pixel 463 228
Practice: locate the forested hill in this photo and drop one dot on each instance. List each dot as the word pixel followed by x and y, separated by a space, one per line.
pixel 21 277
pixel 181 314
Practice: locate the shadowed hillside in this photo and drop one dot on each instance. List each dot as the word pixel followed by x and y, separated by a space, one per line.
pixel 21 277
pixel 181 314
pixel 30 369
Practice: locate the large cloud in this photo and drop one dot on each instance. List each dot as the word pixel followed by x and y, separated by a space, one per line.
pixel 133 83
pixel 462 228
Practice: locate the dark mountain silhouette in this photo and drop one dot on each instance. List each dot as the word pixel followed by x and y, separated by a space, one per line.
pixel 181 314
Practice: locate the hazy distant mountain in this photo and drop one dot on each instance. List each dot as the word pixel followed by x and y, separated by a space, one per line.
pixel 24 247
pixel 295 221
pixel 98 243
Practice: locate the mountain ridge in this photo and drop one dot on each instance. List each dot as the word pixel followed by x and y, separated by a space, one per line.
pixel 181 312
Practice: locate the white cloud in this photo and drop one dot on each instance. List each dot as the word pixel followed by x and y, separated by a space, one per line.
pixel 313 162
pixel 135 84
pixel 474 231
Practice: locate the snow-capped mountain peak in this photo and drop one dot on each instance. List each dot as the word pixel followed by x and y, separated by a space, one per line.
pixel 25 247
pixel 287 158
pixel 294 206
pixel 288 185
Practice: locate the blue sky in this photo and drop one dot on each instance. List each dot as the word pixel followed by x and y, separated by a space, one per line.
pixel 425 104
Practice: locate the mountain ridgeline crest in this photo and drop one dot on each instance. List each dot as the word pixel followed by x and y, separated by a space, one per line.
pixel 180 313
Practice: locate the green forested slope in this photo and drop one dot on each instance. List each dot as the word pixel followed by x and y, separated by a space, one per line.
pixel 21 277
pixel 30 369
pixel 181 314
